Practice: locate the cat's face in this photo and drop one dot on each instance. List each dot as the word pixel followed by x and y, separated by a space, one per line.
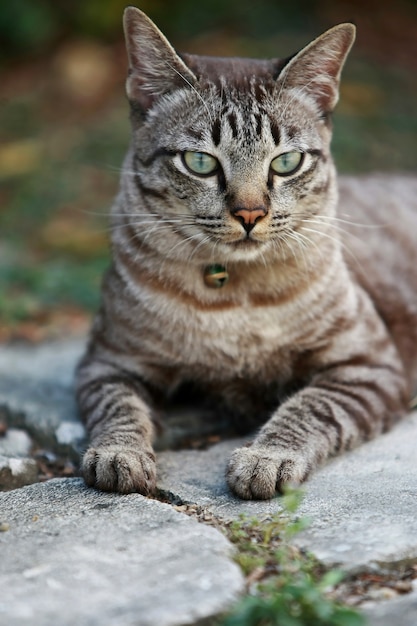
pixel 237 157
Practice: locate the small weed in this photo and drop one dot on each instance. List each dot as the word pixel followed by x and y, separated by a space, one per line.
pixel 286 586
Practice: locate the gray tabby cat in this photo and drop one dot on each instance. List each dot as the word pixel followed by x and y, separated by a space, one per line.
pixel 231 271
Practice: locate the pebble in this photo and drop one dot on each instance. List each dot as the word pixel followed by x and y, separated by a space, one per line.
pixel 17 472
pixel 15 442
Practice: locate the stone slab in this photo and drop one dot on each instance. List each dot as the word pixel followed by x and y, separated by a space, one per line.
pixel 52 362
pixel 36 393
pixel 400 612
pixel 72 555
pixel 362 506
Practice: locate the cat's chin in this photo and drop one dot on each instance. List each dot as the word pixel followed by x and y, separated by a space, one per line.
pixel 245 250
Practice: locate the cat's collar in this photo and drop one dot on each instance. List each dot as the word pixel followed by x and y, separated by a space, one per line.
pixel 215 276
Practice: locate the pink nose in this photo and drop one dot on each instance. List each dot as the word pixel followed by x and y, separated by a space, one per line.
pixel 249 217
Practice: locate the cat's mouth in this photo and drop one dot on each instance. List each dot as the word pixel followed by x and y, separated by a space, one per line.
pixel 241 246
pixel 245 249
pixel 246 242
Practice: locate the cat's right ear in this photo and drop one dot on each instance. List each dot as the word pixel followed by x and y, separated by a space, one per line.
pixel 154 66
pixel 315 71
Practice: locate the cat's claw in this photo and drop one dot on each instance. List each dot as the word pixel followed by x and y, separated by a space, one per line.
pixel 258 473
pixel 120 469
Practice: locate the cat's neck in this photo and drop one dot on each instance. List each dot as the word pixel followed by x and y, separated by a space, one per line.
pixel 265 281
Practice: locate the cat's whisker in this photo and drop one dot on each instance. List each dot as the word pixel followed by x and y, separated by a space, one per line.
pixel 281 88
pixel 200 97
pixel 153 222
pixel 282 247
pixel 310 242
pixel 133 214
pixel 162 226
pixel 338 242
pixel 155 227
pixel 262 255
pixel 186 240
pixel 213 250
pixel 115 168
pixel 201 243
pixel 335 218
pixel 206 240
pixel 297 91
pixel 335 227
pixel 302 242
pixel 285 232
pixel 348 215
pixel 144 236
pixel 351 223
pixel 159 229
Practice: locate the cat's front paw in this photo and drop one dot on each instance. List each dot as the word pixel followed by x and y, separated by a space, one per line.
pixel 258 472
pixel 116 468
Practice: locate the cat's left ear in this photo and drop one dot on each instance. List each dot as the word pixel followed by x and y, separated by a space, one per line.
pixel 154 66
pixel 316 70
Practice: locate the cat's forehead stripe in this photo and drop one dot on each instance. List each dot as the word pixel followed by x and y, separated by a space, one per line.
pixel 231 118
pixel 243 118
pixel 216 132
pixel 275 132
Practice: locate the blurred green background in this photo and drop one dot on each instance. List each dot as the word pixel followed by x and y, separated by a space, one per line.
pixel 64 124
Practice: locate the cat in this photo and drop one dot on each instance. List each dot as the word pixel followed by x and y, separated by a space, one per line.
pixel 232 271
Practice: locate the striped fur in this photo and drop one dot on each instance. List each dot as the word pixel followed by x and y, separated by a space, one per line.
pixel 314 337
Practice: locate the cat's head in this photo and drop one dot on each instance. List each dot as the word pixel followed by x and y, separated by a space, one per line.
pixel 236 149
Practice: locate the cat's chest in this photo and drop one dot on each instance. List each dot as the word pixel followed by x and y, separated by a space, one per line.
pixel 241 341
pixel 245 330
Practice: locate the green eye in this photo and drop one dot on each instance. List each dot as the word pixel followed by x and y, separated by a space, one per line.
pixel 200 163
pixel 287 163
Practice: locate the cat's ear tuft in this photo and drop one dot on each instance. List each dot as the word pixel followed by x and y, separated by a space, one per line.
pixel 154 66
pixel 315 71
